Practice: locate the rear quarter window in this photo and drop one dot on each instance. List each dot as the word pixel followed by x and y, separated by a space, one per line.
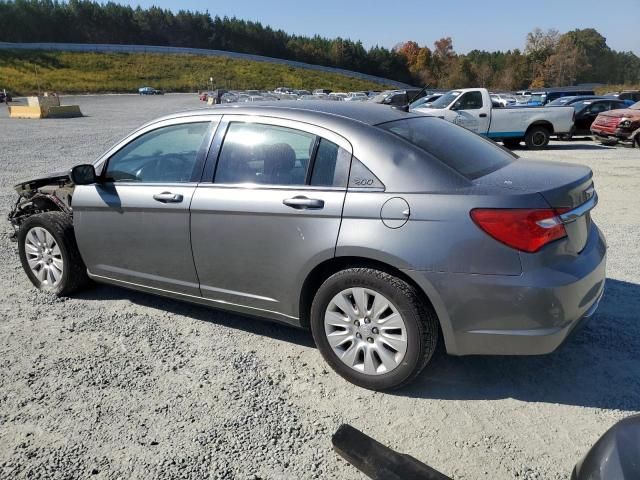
pixel 465 152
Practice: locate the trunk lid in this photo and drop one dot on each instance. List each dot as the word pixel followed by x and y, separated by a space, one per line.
pixel 564 187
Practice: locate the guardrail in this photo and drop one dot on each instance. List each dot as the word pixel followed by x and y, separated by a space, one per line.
pixel 111 48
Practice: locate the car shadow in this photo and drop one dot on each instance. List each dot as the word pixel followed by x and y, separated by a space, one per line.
pixel 599 366
pixel 246 323
pixel 578 146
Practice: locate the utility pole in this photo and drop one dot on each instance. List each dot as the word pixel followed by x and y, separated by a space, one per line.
pixel 35 68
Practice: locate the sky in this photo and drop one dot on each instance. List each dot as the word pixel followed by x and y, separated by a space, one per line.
pixel 484 25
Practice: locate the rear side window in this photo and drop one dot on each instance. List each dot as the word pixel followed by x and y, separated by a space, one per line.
pixel 264 154
pixel 466 152
pixel 331 166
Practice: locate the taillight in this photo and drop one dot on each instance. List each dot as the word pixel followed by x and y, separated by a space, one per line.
pixel 521 228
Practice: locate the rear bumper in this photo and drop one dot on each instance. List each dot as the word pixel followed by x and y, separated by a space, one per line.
pixel 529 314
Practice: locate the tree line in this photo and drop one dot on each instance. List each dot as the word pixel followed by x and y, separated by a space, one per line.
pixel 549 58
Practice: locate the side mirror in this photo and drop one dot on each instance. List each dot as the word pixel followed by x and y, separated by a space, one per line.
pixel 84 174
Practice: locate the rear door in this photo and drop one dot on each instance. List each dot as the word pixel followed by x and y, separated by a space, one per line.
pixel 271 213
pixel 133 226
pixel 472 112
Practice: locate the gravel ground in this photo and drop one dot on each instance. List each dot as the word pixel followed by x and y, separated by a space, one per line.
pixel 116 384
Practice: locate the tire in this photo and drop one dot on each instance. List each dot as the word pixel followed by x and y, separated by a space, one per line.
pixel 537 137
pixel 67 272
pixel 511 143
pixel 418 332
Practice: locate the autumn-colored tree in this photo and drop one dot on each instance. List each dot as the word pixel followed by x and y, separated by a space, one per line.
pixel 539 47
pixel 441 62
pixel 483 73
pixel 409 50
pixel 564 66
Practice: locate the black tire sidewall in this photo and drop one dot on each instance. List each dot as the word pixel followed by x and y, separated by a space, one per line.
pixel 43 221
pixel 532 133
pixel 413 358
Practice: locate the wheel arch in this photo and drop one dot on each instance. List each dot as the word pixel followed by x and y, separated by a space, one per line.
pixel 38 203
pixel 325 269
pixel 541 123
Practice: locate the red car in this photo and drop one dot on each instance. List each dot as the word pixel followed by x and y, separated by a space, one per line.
pixel 204 96
pixel 618 126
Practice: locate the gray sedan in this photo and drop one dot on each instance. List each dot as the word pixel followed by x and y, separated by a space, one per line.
pixel 381 231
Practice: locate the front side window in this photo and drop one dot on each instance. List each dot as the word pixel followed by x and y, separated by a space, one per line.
pixel 165 155
pixel 469 101
pixel 264 154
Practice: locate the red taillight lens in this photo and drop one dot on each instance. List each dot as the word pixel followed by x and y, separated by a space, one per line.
pixel 522 228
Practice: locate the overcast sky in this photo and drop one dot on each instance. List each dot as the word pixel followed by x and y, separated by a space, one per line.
pixel 489 25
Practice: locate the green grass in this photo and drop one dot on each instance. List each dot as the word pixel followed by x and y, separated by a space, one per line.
pixel 615 88
pixel 24 72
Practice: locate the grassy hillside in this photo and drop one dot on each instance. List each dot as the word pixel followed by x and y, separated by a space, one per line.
pixel 615 88
pixel 79 72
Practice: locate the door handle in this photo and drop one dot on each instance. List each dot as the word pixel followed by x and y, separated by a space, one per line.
pixel 304 203
pixel 168 197
pixel 483 115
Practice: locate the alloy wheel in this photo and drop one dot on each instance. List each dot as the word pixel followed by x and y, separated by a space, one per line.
pixel 365 331
pixel 44 256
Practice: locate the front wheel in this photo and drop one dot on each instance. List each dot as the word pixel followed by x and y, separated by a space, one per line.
pixel 373 328
pixel 537 138
pixel 49 253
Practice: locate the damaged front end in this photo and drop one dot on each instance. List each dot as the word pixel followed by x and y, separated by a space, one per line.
pixel 45 194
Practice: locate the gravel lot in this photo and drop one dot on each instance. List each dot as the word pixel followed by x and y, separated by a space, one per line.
pixel 115 384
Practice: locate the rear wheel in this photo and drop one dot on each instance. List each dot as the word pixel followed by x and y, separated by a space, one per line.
pixel 373 328
pixel 537 137
pixel 49 253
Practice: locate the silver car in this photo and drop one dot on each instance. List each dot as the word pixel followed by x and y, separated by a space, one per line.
pixel 380 230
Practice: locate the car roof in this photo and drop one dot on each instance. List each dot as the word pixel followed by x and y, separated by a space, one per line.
pixel 312 111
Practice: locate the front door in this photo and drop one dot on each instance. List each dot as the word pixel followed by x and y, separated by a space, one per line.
pixel 133 226
pixel 471 113
pixel 272 212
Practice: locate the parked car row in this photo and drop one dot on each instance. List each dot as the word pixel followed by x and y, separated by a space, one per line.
pixel 284 93
pixel 609 118
pixel 562 113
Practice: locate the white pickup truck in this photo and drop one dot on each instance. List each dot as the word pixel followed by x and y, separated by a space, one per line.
pixel 472 108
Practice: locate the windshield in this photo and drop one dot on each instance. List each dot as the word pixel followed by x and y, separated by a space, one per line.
pixel 446 99
pixel 419 102
pixel 464 151
pixel 537 97
pixel 579 106
pixel 561 101
pixel 380 97
pixel 635 106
